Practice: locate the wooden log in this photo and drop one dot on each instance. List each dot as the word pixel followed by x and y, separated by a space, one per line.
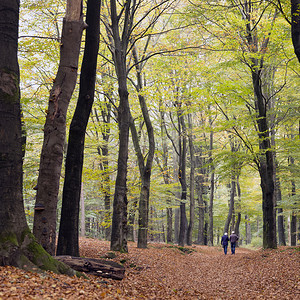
pixel 94 266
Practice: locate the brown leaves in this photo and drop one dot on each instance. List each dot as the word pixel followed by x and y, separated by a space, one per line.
pixel 162 272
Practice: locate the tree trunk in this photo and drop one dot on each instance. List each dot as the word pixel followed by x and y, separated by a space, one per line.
pixel 145 169
pixel 293 216
pixel 247 230
pixel 182 176
pixel 201 191
pixel 44 227
pixel 176 224
pixel 18 246
pixel 119 51
pixel 82 213
pixel 280 218
pixel 231 203
pixel 94 266
pixel 131 220
pixel 166 173
pixel 69 222
pixel 238 207
pixel 295 4
pixel 265 164
pixel 210 234
pixel 192 183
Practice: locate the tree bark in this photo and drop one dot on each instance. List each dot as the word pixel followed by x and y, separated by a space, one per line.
pixel 18 246
pixel 69 223
pixel 295 30
pixel 192 183
pixel 44 227
pixel 231 203
pixel 144 168
pixel 94 266
pixel 119 52
pixel 294 215
pixel 210 233
pixel 82 213
pixel 182 176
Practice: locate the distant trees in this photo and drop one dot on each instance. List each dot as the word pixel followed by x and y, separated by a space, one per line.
pixel 197 100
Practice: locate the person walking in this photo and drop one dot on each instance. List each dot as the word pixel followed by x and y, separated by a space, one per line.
pixel 224 242
pixel 233 239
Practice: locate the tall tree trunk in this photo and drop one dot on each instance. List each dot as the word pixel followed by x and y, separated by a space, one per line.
pixel 231 203
pixel 44 227
pixel 293 216
pixel 18 246
pixel 82 213
pixel 166 173
pixel 210 233
pixel 119 51
pixel 201 191
pixel 182 176
pixel 265 163
pixel 145 169
pixel 69 223
pixel 295 4
pixel 238 207
pixel 192 182
pixel 247 230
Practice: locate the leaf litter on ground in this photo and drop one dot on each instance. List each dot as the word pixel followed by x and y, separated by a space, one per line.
pixel 164 271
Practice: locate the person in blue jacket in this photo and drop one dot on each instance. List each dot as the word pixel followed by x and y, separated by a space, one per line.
pixel 224 242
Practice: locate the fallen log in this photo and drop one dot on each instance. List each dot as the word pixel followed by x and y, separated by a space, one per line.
pixel 94 266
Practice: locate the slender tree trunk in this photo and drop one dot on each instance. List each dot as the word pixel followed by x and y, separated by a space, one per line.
pixel 44 227
pixel 192 183
pixel 131 220
pixel 280 218
pixel 201 191
pixel 293 216
pixel 82 213
pixel 182 177
pixel 166 172
pixel 210 234
pixel 231 203
pixel 248 230
pixel 238 207
pixel 120 44
pixel 295 4
pixel 145 169
pixel 69 223
pixel 177 224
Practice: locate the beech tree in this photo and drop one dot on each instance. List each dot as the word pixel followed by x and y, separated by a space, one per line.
pixel 18 246
pixel 69 223
pixel 44 227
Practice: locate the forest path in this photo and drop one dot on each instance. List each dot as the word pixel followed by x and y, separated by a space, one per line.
pixel 165 272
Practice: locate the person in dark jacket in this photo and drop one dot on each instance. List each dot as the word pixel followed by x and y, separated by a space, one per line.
pixel 233 239
pixel 224 242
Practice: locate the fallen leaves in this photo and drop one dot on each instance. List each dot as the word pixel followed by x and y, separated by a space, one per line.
pixel 164 272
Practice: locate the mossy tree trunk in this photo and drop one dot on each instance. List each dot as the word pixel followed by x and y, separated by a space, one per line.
pixel 18 246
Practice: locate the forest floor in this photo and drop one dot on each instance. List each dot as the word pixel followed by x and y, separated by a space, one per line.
pixel 166 272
